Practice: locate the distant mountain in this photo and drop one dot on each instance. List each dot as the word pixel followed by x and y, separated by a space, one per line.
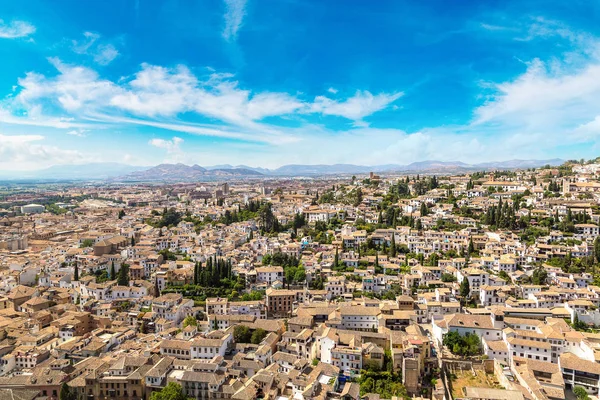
pixel 264 171
pixel 182 172
pixel 320 169
pixel 513 164
pixel 431 166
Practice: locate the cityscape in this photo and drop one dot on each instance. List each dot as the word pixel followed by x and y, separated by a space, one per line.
pixel 297 200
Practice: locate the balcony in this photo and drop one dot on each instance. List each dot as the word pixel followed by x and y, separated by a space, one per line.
pixel 586 381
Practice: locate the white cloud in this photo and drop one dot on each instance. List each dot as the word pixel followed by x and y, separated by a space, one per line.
pixel 235 10
pixel 15 29
pixel 77 132
pixel 73 89
pixel 83 46
pixel 25 152
pixel 158 96
pixel 105 54
pixel 555 102
pixel 361 105
pixel 102 53
pixel 332 90
pixel 549 105
pixel 171 146
pixel 543 98
pixel 158 91
pixel 492 27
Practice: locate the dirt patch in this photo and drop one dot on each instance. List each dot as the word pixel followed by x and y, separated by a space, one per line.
pixel 468 378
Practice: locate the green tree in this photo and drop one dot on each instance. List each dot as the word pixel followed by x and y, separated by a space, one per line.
pixel 579 392
pixel 597 249
pixel 465 288
pixel 172 391
pixel 433 260
pixel 300 275
pixel 424 210
pixel 467 345
pixel 87 243
pixel 123 275
pixel 121 213
pixel 241 334
pixel 66 393
pixel 113 273
pixel 190 320
pixel 505 276
pixel 393 250
pixel 170 217
pixel 258 335
pixel 76 273
pixel 539 276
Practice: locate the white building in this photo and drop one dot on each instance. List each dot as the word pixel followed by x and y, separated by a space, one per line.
pixel 32 209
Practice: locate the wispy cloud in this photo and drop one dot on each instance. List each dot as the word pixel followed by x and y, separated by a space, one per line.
pixel 102 53
pixel 235 10
pixel 355 108
pixel 77 132
pixel 105 54
pixel 492 27
pixel 15 29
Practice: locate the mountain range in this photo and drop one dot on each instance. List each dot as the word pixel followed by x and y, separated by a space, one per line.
pixel 182 172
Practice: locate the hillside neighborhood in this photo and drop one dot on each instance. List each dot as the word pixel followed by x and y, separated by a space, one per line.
pixel 483 285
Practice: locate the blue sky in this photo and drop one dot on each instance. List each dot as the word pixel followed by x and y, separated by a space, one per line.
pixel 267 83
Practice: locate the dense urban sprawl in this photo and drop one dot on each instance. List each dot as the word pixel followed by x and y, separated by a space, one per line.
pixel 479 286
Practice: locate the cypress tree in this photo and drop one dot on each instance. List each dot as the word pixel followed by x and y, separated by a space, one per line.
pixel 113 274
pixel 76 273
pixel 471 248
pixel 123 275
pixel 393 246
